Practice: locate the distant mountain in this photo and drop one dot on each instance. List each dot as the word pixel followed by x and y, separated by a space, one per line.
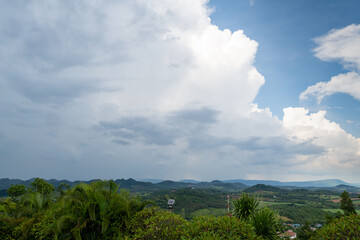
pixel 189 181
pixel 319 183
pixel 138 186
pixel 226 186
pixel 350 189
pixel 151 180
pixel 5 183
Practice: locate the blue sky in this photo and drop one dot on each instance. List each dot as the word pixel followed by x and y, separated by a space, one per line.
pixel 285 31
pixel 175 90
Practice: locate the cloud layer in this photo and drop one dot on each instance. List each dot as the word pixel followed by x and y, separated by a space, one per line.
pixel 338 45
pixel 115 89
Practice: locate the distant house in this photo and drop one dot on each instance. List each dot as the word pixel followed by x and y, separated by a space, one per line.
pixel 296 225
pixel 318 225
pixel 289 233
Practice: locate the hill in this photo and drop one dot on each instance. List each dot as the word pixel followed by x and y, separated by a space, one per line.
pixel 261 188
pixel 318 183
pixel 138 186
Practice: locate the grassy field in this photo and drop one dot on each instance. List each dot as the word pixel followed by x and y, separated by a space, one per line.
pixel 337 210
pixel 277 203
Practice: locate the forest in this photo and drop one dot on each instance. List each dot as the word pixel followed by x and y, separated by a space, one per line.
pixel 104 210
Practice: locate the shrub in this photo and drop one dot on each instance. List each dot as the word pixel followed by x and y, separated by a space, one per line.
pixel 343 228
pixel 154 223
pixel 209 227
pixel 7 228
pixel 266 223
pixel 245 206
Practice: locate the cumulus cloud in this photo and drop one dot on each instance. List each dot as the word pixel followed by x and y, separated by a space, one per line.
pixel 141 89
pixel 348 83
pixel 342 149
pixel 125 82
pixel 338 45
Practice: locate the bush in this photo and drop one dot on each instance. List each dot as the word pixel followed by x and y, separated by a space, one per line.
pixel 154 223
pixel 342 228
pixel 245 206
pixel 7 228
pixel 266 223
pixel 208 227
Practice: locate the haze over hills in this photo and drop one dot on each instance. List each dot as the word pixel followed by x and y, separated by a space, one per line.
pixel 317 183
pixel 151 184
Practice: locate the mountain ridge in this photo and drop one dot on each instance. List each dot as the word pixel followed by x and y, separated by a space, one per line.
pixel 5 183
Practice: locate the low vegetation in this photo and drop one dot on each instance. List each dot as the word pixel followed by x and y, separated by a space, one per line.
pixel 101 210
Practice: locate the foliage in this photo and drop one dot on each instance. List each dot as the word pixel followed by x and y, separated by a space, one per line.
pixel 62 188
pixel 7 227
pixel 209 212
pixel 158 225
pixel 41 186
pixel 301 213
pixel 96 211
pixel 262 187
pixel 39 226
pixel 346 204
pixel 16 191
pixel 189 200
pixel 245 206
pixel 35 202
pixel 305 232
pixel 154 223
pixel 100 210
pixel 266 223
pixel 346 227
pixel 224 227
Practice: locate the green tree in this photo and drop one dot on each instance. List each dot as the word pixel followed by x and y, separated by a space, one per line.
pixel 62 188
pixel 41 186
pixel 34 202
pixel 16 191
pixel 347 204
pixel 305 232
pixel 346 227
pixel 96 211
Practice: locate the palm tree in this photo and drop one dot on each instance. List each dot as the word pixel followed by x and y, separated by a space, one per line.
pixel 245 206
pixel 266 223
pixel 35 202
pixel 95 211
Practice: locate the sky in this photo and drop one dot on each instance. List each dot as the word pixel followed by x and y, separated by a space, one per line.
pixel 190 89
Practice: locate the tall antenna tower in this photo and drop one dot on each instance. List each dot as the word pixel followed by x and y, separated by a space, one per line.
pixel 228 200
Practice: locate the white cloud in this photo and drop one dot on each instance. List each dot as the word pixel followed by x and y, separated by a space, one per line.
pixel 141 89
pixel 342 149
pixel 340 45
pixel 348 83
pixel 134 63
